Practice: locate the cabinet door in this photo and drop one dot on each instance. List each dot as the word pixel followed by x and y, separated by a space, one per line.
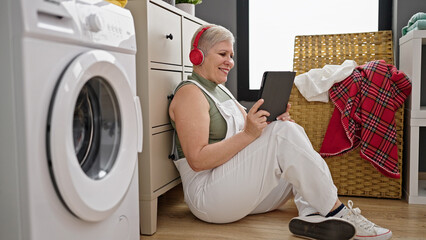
pixel 188 29
pixel 164 35
pixel 163 169
pixel 161 84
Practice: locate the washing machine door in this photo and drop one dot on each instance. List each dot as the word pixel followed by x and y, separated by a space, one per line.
pixel 92 135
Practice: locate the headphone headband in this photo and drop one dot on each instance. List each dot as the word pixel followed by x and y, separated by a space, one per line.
pixel 197 38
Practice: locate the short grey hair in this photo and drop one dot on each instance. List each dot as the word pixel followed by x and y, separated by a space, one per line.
pixel 211 37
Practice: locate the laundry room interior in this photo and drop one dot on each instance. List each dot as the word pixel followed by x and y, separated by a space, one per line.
pixel 212 119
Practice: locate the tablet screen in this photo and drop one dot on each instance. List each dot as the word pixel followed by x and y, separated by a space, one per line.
pixel 275 90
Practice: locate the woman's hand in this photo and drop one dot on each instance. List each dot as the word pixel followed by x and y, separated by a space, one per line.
pixel 256 120
pixel 286 116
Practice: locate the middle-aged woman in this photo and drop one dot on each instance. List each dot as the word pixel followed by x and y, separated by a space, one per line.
pixel 234 163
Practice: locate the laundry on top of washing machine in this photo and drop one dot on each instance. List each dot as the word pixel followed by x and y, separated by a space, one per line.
pixel 121 3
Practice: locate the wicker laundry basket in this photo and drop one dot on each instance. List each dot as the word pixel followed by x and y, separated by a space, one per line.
pixel 352 175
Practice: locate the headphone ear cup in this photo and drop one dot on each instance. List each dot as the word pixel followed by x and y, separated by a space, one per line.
pixel 196 56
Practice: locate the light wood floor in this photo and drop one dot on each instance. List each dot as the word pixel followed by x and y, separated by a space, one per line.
pixel 176 222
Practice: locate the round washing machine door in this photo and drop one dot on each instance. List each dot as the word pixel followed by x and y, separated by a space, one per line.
pixel 92 135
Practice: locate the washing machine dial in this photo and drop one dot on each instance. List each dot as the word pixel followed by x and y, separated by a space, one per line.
pixel 94 22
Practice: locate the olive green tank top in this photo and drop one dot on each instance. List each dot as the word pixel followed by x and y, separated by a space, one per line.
pixel 218 128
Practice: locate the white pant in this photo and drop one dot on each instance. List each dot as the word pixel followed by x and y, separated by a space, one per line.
pixel 262 177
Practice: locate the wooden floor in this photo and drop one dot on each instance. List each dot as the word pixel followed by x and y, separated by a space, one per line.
pixel 175 221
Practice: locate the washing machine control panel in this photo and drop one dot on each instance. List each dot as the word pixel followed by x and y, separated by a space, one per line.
pixel 106 24
pixel 94 22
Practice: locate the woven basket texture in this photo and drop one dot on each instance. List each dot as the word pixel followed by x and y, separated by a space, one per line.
pixel 352 175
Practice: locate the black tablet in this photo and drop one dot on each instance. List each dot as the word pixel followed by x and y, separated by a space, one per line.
pixel 275 90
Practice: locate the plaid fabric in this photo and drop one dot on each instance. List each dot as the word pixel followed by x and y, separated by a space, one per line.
pixel 364 116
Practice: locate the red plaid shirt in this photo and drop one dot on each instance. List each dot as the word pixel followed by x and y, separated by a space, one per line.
pixel 366 103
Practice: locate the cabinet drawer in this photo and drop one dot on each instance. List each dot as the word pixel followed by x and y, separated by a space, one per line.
pixel 163 23
pixel 188 29
pixel 161 85
pixel 163 169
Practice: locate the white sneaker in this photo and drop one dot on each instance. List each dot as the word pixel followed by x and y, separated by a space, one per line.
pixel 319 227
pixel 365 229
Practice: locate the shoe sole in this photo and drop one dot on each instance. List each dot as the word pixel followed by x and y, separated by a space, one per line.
pixel 329 229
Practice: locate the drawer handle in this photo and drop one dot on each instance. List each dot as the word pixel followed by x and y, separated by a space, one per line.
pixel 170 36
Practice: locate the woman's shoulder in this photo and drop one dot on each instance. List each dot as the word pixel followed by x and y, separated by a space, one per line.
pixel 188 86
pixel 187 100
pixel 188 92
pixel 186 83
pixel 191 91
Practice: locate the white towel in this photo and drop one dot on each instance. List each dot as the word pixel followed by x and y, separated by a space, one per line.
pixel 314 85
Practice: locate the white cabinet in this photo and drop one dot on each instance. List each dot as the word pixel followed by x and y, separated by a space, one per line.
pixel 163 35
pixel 412 47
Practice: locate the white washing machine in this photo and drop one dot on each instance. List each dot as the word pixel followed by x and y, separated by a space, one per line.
pixel 70 121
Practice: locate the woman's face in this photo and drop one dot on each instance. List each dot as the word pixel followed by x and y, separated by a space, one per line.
pixel 217 62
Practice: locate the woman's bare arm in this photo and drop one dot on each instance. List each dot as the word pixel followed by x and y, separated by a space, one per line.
pixel 190 111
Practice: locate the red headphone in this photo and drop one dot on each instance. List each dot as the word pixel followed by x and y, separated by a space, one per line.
pixel 196 55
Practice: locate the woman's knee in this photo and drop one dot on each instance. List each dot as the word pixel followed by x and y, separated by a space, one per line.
pixel 287 128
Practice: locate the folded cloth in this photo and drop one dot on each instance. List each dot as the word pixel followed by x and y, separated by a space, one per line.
pixel 416 22
pixel 120 3
pixel 314 85
pixel 366 103
pixel 418 25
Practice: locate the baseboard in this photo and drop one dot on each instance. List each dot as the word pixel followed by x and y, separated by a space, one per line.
pixel 422 175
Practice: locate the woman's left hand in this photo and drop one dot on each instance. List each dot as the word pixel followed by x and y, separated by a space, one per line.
pixel 286 116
